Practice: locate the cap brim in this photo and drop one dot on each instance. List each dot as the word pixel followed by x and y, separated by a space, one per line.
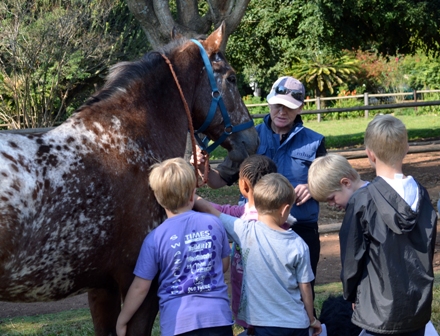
pixel 286 100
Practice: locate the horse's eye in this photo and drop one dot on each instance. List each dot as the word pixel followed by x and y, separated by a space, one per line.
pixel 232 79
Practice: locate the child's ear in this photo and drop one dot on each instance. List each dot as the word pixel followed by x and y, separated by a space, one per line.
pixel 244 186
pixel 371 155
pixel 285 210
pixel 346 182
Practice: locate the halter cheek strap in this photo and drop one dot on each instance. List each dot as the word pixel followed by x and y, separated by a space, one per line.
pixel 217 101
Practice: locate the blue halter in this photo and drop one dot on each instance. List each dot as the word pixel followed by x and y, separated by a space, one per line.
pixel 217 100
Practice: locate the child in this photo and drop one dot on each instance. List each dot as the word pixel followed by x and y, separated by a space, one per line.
pixel 276 294
pixel 190 251
pixel 387 240
pixel 251 170
pixel 333 180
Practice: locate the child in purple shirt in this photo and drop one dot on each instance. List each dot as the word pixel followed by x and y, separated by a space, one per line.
pixel 190 252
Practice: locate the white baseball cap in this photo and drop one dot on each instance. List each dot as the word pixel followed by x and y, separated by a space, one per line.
pixel 287 91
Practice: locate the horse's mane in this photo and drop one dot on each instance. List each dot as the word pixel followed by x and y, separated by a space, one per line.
pixel 123 74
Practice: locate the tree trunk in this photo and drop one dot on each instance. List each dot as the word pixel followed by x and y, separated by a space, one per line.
pixel 158 23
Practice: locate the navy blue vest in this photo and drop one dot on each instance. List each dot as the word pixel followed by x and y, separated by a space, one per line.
pixel 293 158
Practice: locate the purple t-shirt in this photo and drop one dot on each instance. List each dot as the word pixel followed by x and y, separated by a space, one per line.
pixel 187 251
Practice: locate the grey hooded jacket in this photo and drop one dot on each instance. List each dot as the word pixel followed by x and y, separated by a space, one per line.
pixel 386 252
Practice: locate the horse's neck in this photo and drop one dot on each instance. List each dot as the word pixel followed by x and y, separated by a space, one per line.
pixel 151 111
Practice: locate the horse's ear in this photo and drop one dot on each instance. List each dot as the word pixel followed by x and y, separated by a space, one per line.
pixel 175 35
pixel 213 43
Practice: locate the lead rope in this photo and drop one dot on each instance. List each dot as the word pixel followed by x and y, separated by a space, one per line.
pixel 191 131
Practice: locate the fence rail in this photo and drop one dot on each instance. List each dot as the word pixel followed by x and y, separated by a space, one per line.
pixel 368 99
pixel 365 107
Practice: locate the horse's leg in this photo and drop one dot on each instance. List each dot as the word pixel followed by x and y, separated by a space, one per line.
pixel 105 306
pixel 142 321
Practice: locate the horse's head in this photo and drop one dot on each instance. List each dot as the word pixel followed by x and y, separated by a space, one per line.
pixel 219 111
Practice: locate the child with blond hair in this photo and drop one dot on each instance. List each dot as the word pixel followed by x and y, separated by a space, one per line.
pixel 387 240
pixel 190 252
pixel 333 180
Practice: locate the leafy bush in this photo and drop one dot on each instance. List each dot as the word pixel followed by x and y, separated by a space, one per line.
pixel 251 100
pixel 53 53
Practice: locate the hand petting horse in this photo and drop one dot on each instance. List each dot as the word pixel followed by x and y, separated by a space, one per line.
pixel 75 204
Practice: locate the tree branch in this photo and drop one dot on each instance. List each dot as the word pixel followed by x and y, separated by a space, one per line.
pixel 157 21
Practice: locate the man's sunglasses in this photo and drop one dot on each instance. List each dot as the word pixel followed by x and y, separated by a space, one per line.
pixel 298 95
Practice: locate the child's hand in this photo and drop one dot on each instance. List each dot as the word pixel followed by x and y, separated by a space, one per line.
pixel 200 159
pixel 316 326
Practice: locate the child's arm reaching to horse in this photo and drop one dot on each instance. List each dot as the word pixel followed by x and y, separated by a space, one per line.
pixel 233 225
pixel 203 205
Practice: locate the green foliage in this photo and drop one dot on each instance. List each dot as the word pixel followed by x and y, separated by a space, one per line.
pixel 434 110
pixel 320 72
pixel 50 51
pixel 218 153
pixel 254 106
pixel 399 73
pixel 421 71
pixel 273 34
pixel 388 26
pixel 269 38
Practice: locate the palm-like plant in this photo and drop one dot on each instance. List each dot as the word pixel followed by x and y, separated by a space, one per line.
pixel 321 72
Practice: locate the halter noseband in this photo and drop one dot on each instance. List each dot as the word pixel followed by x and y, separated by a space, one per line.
pixel 217 100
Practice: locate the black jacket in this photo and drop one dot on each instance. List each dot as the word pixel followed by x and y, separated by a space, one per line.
pixel 386 252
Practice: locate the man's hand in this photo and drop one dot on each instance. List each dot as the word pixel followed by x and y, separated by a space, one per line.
pixel 200 157
pixel 302 194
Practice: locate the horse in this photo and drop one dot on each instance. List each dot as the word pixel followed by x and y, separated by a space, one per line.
pixel 75 204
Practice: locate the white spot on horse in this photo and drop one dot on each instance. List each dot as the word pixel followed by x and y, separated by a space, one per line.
pixel 116 123
pixel 99 127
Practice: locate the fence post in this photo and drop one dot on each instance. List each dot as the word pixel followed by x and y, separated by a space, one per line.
pixel 415 100
pixel 366 104
pixel 318 106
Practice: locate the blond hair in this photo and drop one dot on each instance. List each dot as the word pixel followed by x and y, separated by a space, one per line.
pixel 173 181
pixel 326 173
pixel 272 192
pixel 387 138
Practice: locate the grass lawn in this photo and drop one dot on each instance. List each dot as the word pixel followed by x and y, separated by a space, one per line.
pixel 79 323
pixel 350 132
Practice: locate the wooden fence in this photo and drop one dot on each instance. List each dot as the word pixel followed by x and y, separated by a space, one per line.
pixel 370 103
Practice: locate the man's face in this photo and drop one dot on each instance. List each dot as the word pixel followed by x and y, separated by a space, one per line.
pixel 282 117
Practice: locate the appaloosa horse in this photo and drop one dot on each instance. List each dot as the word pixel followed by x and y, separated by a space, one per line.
pixel 75 204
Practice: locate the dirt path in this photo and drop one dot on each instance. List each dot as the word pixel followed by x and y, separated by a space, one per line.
pixel 425 167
